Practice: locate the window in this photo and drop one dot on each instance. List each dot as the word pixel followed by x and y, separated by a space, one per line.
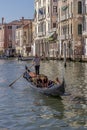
pixel 71 28
pixel 49 26
pixel 48 9
pixel 17 27
pixel 71 7
pixel 79 7
pixel 35 31
pixel 84 23
pixel 39 2
pixel 44 27
pixel 79 28
pixel 25 33
pixel 9 27
pixel 40 27
pixel 44 2
pixel 54 25
pixel 54 9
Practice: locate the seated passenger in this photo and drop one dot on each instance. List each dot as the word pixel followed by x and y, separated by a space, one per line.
pixel 38 81
pixel 57 81
pixel 32 74
pixel 50 82
pixel 45 82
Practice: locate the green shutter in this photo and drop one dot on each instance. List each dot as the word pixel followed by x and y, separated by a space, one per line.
pixel 64 8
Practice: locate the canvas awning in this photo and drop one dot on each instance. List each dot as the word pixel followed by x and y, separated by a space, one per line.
pixel 64 8
pixel 52 36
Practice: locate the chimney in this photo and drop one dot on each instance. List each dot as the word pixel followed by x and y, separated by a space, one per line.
pixel 22 20
pixel 2 20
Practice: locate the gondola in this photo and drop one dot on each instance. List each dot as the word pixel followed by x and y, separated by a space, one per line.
pixel 52 89
pixel 25 58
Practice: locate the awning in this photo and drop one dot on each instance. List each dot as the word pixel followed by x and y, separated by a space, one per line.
pixel 64 8
pixel 52 36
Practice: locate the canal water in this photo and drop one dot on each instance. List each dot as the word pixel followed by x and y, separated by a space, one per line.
pixel 21 108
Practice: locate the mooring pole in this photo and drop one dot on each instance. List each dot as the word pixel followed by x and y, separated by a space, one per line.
pixel 64 55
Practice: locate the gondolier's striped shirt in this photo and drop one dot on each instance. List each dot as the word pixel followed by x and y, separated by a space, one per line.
pixel 36 61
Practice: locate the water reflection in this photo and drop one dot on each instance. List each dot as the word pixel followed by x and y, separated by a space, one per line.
pixel 76 103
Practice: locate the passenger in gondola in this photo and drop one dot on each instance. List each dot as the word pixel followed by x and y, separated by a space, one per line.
pixel 45 82
pixel 57 81
pixel 32 74
pixel 38 81
pixel 50 83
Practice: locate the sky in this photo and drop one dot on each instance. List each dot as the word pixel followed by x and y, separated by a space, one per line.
pixel 16 9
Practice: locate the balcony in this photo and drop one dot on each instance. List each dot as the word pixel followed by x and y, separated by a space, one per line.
pixel 40 17
pixel 40 34
pixel 84 33
pixel 65 17
pixel 62 37
pixel 53 30
pixel 65 36
pixel 70 15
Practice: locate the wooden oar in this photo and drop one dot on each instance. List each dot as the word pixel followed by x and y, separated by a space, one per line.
pixel 18 77
pixel 15 80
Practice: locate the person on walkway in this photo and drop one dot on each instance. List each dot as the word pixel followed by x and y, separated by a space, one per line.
pixel 36 62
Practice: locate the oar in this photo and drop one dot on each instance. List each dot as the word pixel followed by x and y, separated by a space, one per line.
pixel 15 80
pixel 18 78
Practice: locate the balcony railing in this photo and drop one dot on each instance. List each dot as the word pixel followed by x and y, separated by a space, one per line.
pixel 40 17
pixel 65 36
pixel 41 34
pixel 62 37
pixel 65 17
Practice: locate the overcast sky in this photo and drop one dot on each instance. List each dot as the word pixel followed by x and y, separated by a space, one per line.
pixel 15 9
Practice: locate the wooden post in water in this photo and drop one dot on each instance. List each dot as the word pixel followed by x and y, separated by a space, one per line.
pixel 64 55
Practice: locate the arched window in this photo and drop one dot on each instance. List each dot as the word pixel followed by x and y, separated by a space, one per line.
pixel 79 7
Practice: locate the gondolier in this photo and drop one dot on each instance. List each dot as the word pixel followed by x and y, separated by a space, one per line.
pixel 36 62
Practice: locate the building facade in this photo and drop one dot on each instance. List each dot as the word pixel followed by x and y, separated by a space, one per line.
pixel 7 37
pixel 70 26
pixel 85 29
pixel 24 39
pixel 19 40
pixel 45 23
pixel 16 37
